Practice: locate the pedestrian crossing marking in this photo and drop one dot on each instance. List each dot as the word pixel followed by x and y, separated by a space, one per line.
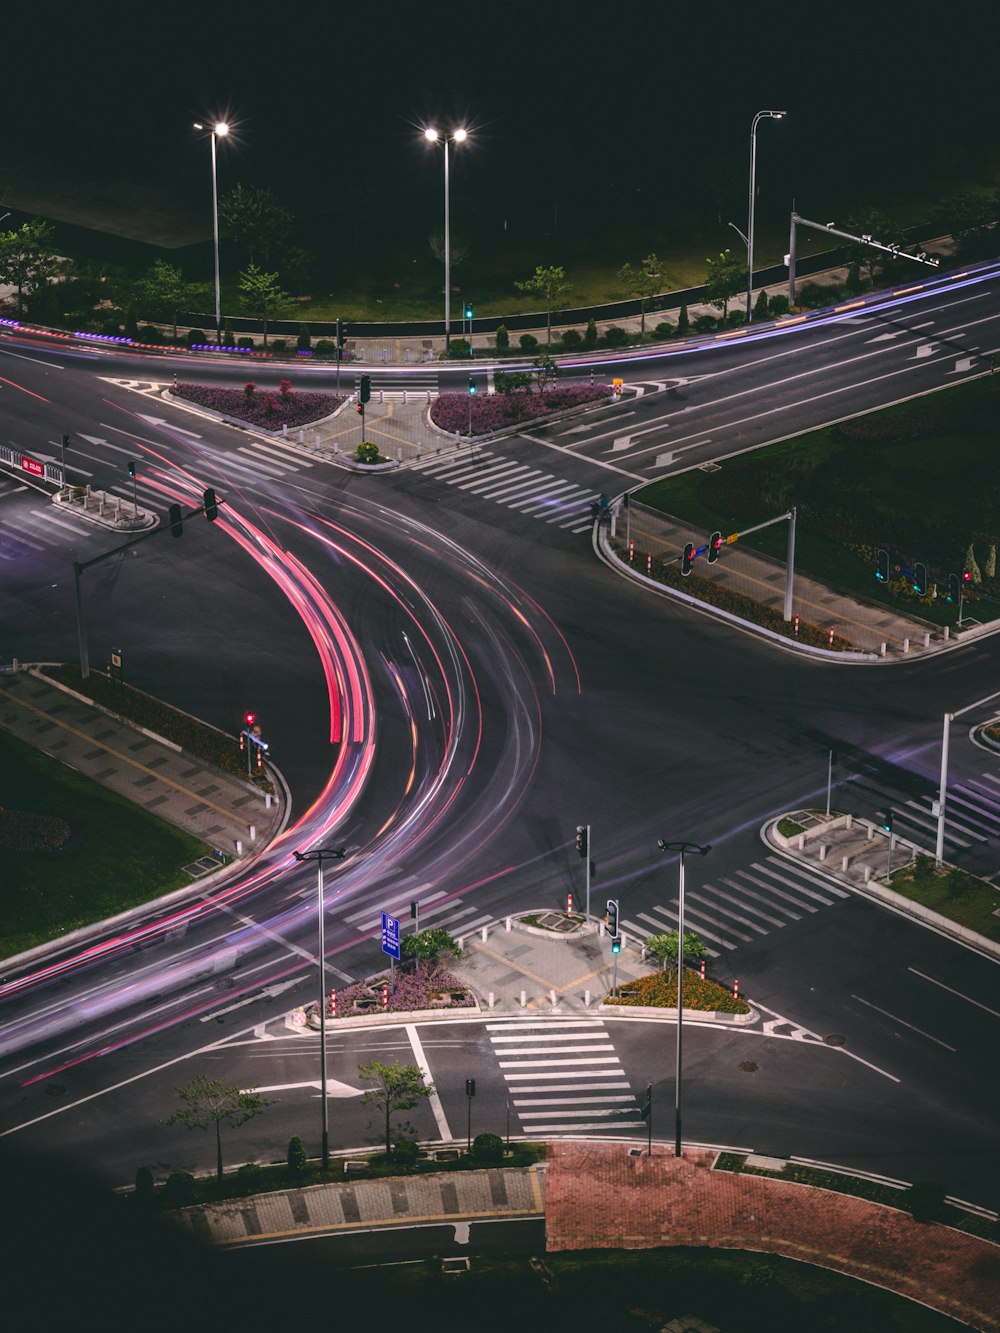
pixel 516 486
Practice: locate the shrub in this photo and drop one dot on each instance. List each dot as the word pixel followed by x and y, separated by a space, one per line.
pixel 303 342
pixel 496 411
pixel 249 1173
pixel 245 342
pixel 590 337
pixel 665 329
pixel 813 296
pixel 528 342
pixel 664 947
pixel 487 1148
pixel 430 945
pixel 502 338
pixel 298 410
pixel 367 452
pixel 616 337
pixel 325 347
pixel 460 349
pixel 150 335
pixel 181 1189
pixel 405 1151
pixel 735 318
pixel 279 345
pixel 572 338
pixel 297 1161
pixel 228 339
pixel 925 1200
pixel 195 337
pixel 143 1185
pixel 249 389
pixel 683 322
pixel 778 305
pixel 760 309
pixel 705 324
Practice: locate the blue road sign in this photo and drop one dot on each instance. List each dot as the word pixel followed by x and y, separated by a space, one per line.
pixel 390 935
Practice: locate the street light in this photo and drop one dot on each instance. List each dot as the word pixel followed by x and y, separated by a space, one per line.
pixel 330 854
pixel 218 131
pixel 761 115
pixel 457 136
pixel 695 849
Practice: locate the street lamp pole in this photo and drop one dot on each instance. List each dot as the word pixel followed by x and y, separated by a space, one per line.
pixel 683 848
pixel 761 115
pixel 219 131
pixel 457 136
pixel 332 854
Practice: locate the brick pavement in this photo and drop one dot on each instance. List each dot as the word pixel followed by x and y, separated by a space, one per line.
pixel 663 1200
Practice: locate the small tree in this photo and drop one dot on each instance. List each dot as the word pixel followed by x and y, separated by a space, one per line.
pixel 27 261
pixel 208 1103
pixel 551 285
pixel 590 337
pixel 503 338
pixel 664 947
pixel 252 217
pixel 545 372
pixel 261 296
pixel 395 1087
pixel 642 282
pixel 991 562
pixel 877 227
pixel 972 566
pixel 298 1163
pixel 760 309
pixel 509 382
pixel 727 277
pixel 165 292
pixel 683 322
pixel 429 945
pixel 304 341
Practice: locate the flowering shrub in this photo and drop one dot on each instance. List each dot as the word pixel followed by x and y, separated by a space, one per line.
pixel 659 990
pixel 423 988
pixel 261 409
pixel 21 831
pixel 495 411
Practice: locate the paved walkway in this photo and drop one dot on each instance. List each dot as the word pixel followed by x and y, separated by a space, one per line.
pixel 231 816
pixel 661 1200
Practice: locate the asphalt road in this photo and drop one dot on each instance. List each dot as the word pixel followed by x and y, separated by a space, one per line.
pixel 508 688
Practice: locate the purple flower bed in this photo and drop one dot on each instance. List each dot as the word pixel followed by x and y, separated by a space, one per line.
pixel 24 832
pixel 270 408
pixel 414 990
pixel 494 411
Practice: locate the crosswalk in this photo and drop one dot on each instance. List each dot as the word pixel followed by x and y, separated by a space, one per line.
pixel 436 909
pixel 517 486
pixel 563 1076
pixel 734 911
pixel 972 815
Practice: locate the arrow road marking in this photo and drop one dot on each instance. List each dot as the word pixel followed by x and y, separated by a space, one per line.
pixel 622 442
pixel 266 993
pixel 333 1088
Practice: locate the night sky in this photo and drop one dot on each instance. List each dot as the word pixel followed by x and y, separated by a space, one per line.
pixel 584 119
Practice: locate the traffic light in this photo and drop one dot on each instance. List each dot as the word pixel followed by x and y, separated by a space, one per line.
pixel 616 944
pixel 211 505
pixel 952 587
pixel 966 577
pixel 65 441
pixel 885 820
pixel 714 543
pixel 131 467
pixel 472 385
pixel 249 719
pixel 688 559
pixel 360 409
pixel 920 578
pixel 341 333
pixel 469 312
pixel 365 393
pixel 582 841
pixel 882 567
pixel 176 520
pixel 612 917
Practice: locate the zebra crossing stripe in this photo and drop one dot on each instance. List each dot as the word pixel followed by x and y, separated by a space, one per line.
pixel 705 931
pixel 268 465
pixel 916 815
pixel 772 888
pixel 512 485
pixel 741 901
pixel 551 492
pixel 801 888
pixel 749 893
pixel 724 911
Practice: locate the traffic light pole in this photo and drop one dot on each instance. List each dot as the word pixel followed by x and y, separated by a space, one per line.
pixel 943 788
pixel 587 899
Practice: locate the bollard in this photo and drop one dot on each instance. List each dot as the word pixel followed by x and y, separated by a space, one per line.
pixel 524 998
pixel 267 800
pixel 485 933
pixel 703 969
pixel 831 636
pixel 881 651
pixel 381 395
pixel 927 639
pixel 823 849
pixel 333 1003
pixel 569 904
pixel 336 447
pixel 849 823
pixel 302 437
pixel 552 997
pixel 642 952
pixel 649 562
pixel 801 842
pixel 420 449
pixel 316 439
pixel 253 832
pixel 796 627
pixel 506 925
pixel 631 549
pixel 428 397
pixel 284 430
pixel 947 633
pixel 385 996
pixel 405 399
pixel 906 645
pixel 624 940
pixel 736 990
pixel 399 453
pixel 845 861
pixel 461 943
pixel 868 873
pixel 490 999
pixel 586 999
pixel 239 846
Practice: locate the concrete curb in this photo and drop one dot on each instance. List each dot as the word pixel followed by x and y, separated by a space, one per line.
pixel 670 1015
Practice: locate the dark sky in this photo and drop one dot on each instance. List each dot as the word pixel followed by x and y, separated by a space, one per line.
pixel 595 113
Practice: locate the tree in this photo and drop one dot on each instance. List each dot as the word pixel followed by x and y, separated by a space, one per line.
pixel 642 282
pixel 395 1087
pixel 503 338
pixel 877 227
pixel 27 260
pixel 551 285
pixel 430 945
pixel 252 217
pixel 969 217
pixel 209 1102
pixel 590 336
pixel 972 566
pixel 760 308
pixel 545 372
pixel 166 292
pixel 991 562
pixel 297 1161
pixel 664 947
pixel 509 382
pixel 683 322
pixel 261 296
pixel 727 277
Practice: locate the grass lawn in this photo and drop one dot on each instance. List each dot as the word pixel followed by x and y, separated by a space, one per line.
pixel 117 855
pixel 919 480
pixel 961 897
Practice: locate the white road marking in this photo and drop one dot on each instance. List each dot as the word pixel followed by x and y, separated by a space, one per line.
pixel 434 1099
pixel 903 1022
pixel 968 998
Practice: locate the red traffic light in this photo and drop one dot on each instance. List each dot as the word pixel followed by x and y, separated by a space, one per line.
pixel 360 410
pixel 966 576
pixel 249 718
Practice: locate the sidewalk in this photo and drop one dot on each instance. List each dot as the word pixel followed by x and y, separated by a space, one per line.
pixel 232 816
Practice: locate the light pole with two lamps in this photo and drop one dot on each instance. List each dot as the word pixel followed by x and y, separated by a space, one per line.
pixel 321 854
pixel 456 136
pixel 761 115
pixel 218 131
pixel 684 848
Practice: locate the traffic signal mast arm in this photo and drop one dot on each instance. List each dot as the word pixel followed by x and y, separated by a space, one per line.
pixel 213 502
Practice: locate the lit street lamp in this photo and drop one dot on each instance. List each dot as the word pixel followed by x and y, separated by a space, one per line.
pixel 761 115
pixel 695 849
pixel 218 131
pixel 330 854
pixel 457 136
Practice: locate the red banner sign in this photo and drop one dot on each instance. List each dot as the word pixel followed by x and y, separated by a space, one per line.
pixel 33 466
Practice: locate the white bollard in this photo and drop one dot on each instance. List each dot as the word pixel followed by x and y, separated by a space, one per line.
pixel 849 823
pixel 267 800
pixel 239 847
pixel 881 651
pixel 552 997
pixel 845 861
pixel 506 925
pixel 316 439
pixel 490 999
pixel 927 639
pixel 868 873
pixel 399 453
pixel 405 399
pixel 336 447
pixel 823 849
pixel 524 998
pixel 586 999
pixel 253 832
pixel 947 633
pixel 801 842
pixel 461 943
pixel 428 397
pixel 485 933
pixel 302 437
pixel 381 395
pixel 625 942
pixel 284 429
pixel 906 645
